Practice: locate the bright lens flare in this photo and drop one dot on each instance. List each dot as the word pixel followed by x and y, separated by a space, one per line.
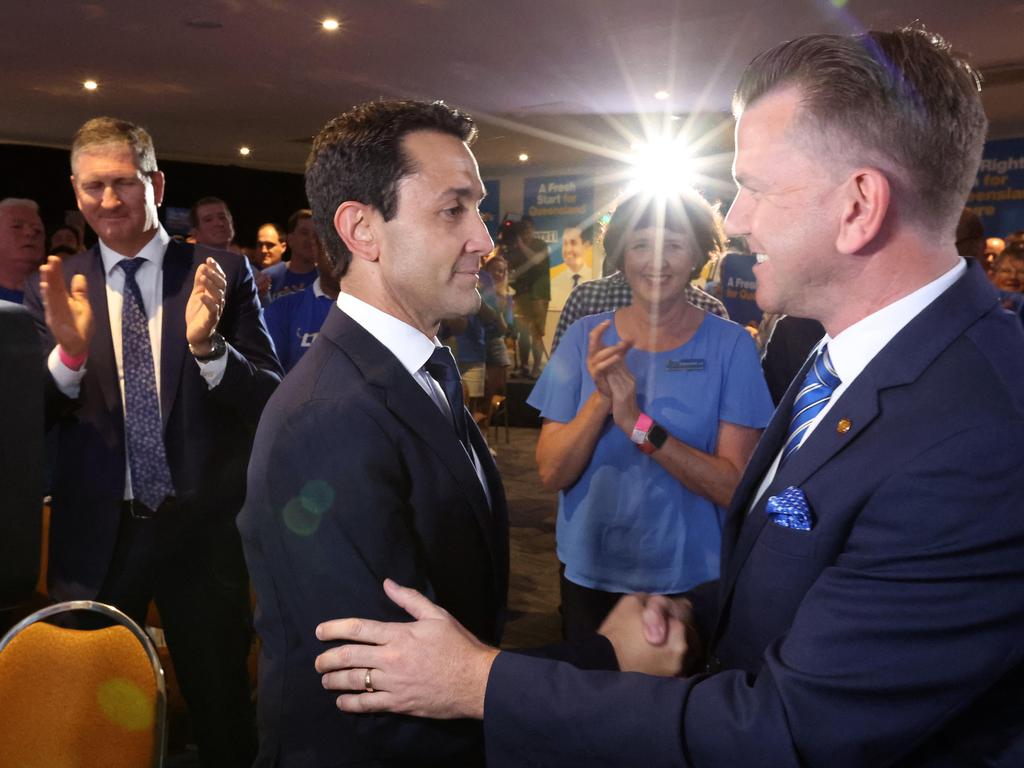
pixel 661 168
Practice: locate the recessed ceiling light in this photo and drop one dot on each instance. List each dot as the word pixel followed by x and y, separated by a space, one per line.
pixel 244 151
pixel 330 24
pixel 90 85
pixel 661 95
pixel 523 157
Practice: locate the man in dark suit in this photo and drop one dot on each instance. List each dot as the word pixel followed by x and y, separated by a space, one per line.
pixel 871 605
pixel 366 464
pixel 159 367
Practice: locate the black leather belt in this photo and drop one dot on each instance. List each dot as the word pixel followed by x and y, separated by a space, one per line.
pixel 136 509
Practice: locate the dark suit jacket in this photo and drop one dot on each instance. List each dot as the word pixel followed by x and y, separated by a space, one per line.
pixel 892 633
pixel 357 476
pixel 207 432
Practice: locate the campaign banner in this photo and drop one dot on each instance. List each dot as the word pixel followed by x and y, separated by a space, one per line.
pixel 562 209
pixel 738 288
pixel 490 207
pixel 998 193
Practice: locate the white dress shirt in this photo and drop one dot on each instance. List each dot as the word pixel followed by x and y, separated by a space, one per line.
pixel 150 279
pixel 413 350
pixel 855 347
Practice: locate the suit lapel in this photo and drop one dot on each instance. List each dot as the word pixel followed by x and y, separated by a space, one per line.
pixel 414 408
pixel 900 362
pixel 101 349
pixel 176 290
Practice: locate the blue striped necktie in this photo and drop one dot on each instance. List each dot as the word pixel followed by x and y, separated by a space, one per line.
pixel 815 392
pixel 147 457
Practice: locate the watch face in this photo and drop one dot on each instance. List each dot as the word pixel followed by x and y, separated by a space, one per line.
pixel 657 436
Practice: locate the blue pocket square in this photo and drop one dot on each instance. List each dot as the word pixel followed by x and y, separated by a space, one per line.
pixel 789 510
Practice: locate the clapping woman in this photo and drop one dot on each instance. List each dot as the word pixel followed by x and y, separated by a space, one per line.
pixel 650 415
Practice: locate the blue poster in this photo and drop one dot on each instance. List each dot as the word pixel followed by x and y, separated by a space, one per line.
pixel 562 209
pixel 490 208
pixel 739 287
pixel 998 194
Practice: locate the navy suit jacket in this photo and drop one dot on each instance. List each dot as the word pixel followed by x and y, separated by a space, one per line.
pixel 207 432
pixel 357 476
pixel 892 633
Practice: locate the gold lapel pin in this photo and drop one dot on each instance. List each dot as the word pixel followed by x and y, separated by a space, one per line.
pixel 843 426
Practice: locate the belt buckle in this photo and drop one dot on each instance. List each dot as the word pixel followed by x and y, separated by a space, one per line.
pixel 140 511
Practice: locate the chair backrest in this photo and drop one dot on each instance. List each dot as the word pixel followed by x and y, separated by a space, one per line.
pixel 84 698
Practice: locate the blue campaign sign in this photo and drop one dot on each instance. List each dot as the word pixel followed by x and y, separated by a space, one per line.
pixel 998 194
pixel 490 208
pixel 738 288
pixel 562 209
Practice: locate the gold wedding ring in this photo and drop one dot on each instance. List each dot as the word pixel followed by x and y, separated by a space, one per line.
pixel 368 682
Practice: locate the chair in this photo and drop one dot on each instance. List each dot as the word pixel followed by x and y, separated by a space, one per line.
pixel 498 408
pixel 82 698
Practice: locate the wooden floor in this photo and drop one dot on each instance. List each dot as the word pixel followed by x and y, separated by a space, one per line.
pixel 533 587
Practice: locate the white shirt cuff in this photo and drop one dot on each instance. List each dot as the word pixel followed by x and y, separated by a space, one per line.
pixel 68 381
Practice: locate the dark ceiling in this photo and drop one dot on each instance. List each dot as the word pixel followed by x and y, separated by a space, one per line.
pixel 565 81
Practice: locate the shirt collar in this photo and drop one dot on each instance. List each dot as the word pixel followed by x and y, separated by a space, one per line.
pixel 153 251
pixel 409 345
pixel 855 347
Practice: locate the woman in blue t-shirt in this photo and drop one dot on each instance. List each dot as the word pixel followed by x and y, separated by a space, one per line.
pixel 650 415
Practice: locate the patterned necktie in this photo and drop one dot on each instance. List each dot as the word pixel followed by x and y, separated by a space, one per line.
pixel 818 385
pixel 147 458
pixel 442 367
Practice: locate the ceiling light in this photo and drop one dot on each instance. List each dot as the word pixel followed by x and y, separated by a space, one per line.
pixel 90 85
pixel 244 151
pixel 661 95
pixel 330 24
pixel 523 157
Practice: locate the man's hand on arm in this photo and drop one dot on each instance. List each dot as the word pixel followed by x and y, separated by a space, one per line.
pixel 431 667
pixel 68 315
pixel 204 307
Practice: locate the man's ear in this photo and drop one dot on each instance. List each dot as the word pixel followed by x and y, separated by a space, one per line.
pixel 157 177
pixel 865 204
pixel 355 224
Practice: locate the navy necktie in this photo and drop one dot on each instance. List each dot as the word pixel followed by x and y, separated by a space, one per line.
pixel 575 280
pixel 147 458
pixel 815 392
pixel 442 367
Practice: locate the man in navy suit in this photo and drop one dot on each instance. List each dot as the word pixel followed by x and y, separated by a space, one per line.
pixel 159 368
pixel 366 464
pixel 871 606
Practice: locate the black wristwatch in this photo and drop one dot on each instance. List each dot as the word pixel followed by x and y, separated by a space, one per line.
pixel 218 348
pixel 657 436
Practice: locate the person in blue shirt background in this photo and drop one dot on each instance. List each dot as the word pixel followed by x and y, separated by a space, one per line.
pixel 294 319
pixel 650 415
pixel 299 269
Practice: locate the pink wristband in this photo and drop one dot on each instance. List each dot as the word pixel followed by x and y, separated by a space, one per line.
pixel 643 423
pixel 74 363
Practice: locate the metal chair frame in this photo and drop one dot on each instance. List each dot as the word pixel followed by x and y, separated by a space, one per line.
pixel 119 617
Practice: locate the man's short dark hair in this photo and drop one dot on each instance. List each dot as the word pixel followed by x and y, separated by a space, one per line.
pixel 107 131
pixel 358 156
pixel 193 212
pixel 293 221
pixel 900 101
pixel 687 213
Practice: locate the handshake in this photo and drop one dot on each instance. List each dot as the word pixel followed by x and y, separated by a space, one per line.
pixel 654 634
pixel 434 667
